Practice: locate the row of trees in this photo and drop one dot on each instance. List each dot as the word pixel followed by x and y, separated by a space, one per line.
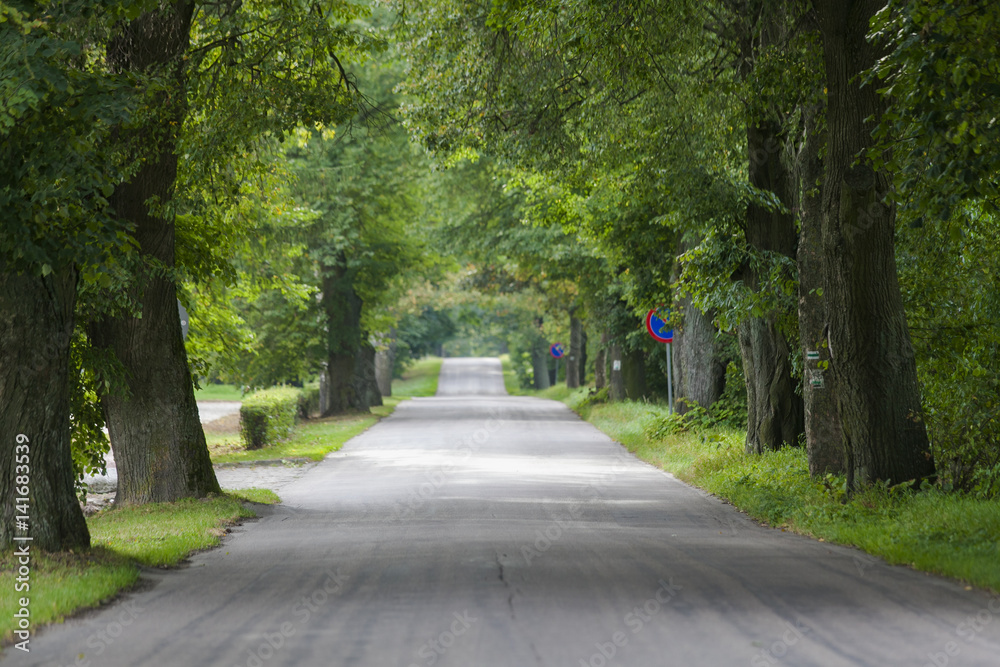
pixel 136 136
pixel 753 163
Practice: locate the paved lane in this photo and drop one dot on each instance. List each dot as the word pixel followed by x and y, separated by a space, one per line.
pixel 492 531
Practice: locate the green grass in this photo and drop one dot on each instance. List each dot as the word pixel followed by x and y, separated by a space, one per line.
pixel 219 392
pixel 312 440
pixel 160 534
pixel 945 533
pixel 420 379
pixel 316 438
pixel 510 381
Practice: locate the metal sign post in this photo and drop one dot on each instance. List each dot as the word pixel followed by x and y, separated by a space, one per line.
pixel 670 381
pixel 657 328
pixel 557 351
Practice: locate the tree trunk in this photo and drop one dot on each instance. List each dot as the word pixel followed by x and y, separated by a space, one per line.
pixel 540 361
pixel 774 414
pixel 384 360
pixel 699 375
pixel 365 385
pixel 343 319
pixel 871 355
pixel 634 374
pixel 774 411
pixel 36 325
pixel 824 441
pixel 575 355
pixel 601 363
pixel 616 379
pixel 155 431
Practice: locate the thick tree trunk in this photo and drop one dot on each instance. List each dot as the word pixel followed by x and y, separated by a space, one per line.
pixel 616 379
pixel 384 360
pixel 365 385
pixel 634 375
pixel 824 441
pixel 601 362
pixel 155 430
pixel 576 354
pixel 871 355
pixel 36 325
pixel 343 319
pixel 699 375
pixel 540 365
pixel 775 414
pixel 774 411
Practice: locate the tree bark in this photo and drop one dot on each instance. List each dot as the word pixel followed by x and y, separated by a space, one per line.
pixel 775 414
pixel 384 360
pixel 575 355
pixel 824 440
pixel 634 375
pixel 365 389
pixel 616 380
pixel 36 325
pixel 155 430
pixel 343 319
pixel 699 375
pixel 601 363
pixel 870 350
pixel 540 365
pixel 774 411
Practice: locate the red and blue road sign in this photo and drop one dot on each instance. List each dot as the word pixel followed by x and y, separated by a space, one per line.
pixel 657 327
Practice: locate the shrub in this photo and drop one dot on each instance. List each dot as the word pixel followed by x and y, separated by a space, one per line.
pixel 309 400
pixel 268 416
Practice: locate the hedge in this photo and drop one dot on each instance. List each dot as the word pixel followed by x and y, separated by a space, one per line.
pixel 268 416
pixel 309 400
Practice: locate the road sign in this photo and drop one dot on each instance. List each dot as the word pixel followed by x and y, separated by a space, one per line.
pixel 557 350
pixel 657 327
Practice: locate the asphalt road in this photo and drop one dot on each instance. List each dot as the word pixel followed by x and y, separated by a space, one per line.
pixel 478 530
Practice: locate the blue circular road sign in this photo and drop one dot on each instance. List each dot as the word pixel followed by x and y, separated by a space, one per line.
pixel 557 350
pixel 657 327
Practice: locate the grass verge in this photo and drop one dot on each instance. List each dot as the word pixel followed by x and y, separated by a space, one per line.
pixel 159 535
pixel 312 440
pixel 219 392
pixel 557 392
pixel 946 533
pixel 316 438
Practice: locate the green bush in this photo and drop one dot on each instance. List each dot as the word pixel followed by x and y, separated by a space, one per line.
pixel 309 400
pixel 268 416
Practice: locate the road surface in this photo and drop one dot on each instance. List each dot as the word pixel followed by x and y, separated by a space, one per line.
pixel 474 529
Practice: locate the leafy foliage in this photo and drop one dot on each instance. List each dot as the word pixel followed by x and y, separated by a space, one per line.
pixel 943 74
pixel 268 416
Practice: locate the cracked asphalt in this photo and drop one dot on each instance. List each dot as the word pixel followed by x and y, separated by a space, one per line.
pixel 475 529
